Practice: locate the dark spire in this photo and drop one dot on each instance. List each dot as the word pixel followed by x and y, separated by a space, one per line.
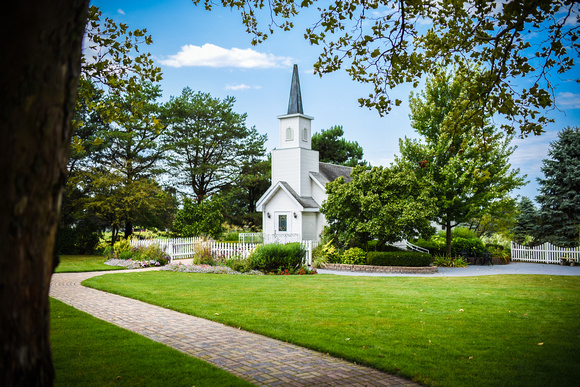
pixel 295 102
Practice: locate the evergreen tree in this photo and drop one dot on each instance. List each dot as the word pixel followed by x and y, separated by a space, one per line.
pixel 334 149
pixel 526 222
pixel 559 197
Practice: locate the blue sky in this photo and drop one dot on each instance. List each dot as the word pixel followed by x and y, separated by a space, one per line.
pixel 211 52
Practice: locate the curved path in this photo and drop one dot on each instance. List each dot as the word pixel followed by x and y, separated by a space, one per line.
pixel 257 359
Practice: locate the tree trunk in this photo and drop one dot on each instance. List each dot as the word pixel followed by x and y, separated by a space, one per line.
pixel 40 70
pixel 448 238
pixel 128 228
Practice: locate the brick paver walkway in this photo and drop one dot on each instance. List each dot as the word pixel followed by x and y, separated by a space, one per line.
pixel 258 359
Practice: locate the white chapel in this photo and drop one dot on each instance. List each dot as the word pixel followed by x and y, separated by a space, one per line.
pixel 291 206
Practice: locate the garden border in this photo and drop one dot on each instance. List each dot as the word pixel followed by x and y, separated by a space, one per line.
pixel 383 269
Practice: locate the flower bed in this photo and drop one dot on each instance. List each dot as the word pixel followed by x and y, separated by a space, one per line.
pixel 132 264
pixel 183 268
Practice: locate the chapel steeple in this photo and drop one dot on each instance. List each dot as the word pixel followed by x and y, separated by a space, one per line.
pixel 295 102
pixel 295 126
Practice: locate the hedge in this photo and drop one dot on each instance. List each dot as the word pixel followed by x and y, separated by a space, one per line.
pixel 398 258
pixel 272 257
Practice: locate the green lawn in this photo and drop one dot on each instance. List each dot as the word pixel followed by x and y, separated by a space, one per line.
pixel 458 331
pixel 78 263
pixel 90 352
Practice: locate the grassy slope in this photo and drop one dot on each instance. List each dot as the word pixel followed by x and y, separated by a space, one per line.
pixel 440 331
pixel 91 352
pixel 79 263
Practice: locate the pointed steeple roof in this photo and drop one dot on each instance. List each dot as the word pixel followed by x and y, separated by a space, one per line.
pixel 295 102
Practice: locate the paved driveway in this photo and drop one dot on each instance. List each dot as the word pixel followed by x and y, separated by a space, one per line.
pixel 473 270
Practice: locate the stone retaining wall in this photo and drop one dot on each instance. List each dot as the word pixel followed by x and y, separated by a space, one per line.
pixel 383 269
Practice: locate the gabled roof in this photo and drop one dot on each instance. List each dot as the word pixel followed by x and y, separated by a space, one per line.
pixel 306 202
pixel 330 172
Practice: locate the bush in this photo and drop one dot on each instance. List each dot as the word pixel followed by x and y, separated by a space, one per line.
pixel 375 246
pixel 319 260
pixel 445 261
pixel 354 256
pixel 499 252
pixel 330 252
pixel 474 246
pixel 275 257
pixel 123 250
pixel 203 255
pixel 435 247
pixel 399 258
pixel 238 264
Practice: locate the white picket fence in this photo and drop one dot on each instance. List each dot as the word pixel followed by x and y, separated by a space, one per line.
pixel 259 237
pixel 546 253
pixel 183 248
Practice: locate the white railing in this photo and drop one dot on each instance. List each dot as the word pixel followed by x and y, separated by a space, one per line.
pixel 413 247
pixel 546 253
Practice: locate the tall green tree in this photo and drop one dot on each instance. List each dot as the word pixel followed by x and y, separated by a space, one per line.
pixel 114 70
pixel 240 199
pixel 526 225
pixel 559 197
pixel 386 203
pixel 334 149
pixel 386 43
pixel 131 155
pixel 209 144
pixel 463 157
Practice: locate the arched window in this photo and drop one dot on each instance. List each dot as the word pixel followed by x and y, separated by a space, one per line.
pixel 289 134
pixel 305 134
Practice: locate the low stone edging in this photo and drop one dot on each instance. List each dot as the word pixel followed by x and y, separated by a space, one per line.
pixel 383 269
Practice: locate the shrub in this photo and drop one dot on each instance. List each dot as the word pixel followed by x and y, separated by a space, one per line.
pixel 473 245
pixel 399 258
pixel 445 261
pixel 275 257
pixel 144 256
pixel 435 247
pixel 354 256
pixel 376 246
pixel 330 252
pixel 238 264
pixel 203 255
pixel 499 252
pixel 319 260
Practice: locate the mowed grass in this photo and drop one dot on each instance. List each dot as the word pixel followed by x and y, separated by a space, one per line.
pixel 91 352
pixel 457 331
pixel 79 263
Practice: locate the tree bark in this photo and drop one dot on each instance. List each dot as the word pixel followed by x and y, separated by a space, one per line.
pixel 38 83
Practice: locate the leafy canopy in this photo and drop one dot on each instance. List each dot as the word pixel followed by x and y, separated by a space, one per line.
pixel 209 143
pixel 387 204
pixel 465 160
pixel 386 43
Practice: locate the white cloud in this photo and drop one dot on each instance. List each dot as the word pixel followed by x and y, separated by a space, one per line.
pixel 210 55
pixel 242 87
pixel 568 100
pixel 120 11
